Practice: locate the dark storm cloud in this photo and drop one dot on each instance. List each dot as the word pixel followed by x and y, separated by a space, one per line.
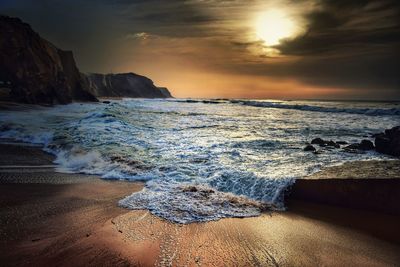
pixel 350 43
pixel 340 25
pixel 172 18
pixel 151 15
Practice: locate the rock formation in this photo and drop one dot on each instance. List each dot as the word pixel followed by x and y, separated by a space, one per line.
pixel 124 85
pixel 389 141
pixel 309 148
pixel 34 70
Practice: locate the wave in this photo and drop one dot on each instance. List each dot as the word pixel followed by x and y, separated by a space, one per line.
pixel 226 194
pixel 169 192
pixel 263 189
pixel 232 169
pixel 361 111
pixel 186 203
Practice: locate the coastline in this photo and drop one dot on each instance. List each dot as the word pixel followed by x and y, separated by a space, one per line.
pixel 49 218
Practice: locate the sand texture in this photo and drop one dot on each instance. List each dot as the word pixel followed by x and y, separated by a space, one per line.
pixel 52 219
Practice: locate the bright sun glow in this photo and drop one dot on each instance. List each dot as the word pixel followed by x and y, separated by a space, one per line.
pixel 274 25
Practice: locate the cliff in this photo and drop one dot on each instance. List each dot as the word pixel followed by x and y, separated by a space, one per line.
pixel 34 71
pixel 124 85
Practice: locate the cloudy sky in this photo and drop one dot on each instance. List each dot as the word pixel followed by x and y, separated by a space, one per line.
pixel 315 49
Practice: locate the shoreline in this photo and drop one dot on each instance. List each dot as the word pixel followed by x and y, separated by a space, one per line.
pixel 50 218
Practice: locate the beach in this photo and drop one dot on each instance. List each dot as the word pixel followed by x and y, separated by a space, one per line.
pixel 199 133
pixel 50 218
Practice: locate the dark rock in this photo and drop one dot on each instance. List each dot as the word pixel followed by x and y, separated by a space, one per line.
pixel 210 102
pixel 106 102
pixel 389 142
pixel 341 143
pixel 366 145
pixel 318 141
pixel 207 191
pixel 35 71
pixel 309 148
pixel 124 85
pixel 393 133
pixel 382 144
pixel 192 189
pixel 332 144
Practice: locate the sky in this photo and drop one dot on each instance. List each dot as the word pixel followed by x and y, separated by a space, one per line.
pixel 304 49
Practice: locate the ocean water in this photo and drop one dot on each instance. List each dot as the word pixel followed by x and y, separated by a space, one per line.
pixel 200 160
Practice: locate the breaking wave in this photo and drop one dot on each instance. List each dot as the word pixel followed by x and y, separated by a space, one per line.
pixel 198 162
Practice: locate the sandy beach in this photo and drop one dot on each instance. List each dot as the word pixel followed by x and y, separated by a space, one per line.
pixel 49 218
pixel 199 133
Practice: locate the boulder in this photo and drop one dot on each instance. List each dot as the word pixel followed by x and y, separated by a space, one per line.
pixel 318 141
pixel 332 144
pixel 366 145
pixel 341 142
pixel 309 148
pixel 393 132
pixel 389 142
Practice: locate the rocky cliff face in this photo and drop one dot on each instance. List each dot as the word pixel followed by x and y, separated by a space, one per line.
pixel 124 85
pixel 35 71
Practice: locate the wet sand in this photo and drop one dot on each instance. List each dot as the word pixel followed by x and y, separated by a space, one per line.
pixel 53 219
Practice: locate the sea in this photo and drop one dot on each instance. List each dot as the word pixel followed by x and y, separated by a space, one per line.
pixel 201 160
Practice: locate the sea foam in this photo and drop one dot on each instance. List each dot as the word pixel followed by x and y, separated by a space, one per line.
pixel 199 161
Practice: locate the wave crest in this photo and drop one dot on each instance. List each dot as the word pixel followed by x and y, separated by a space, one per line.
pixel 187 203
pixel 361 111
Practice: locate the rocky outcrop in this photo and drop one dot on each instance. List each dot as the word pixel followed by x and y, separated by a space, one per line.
pixel 124 85
pixel 34 70
pixel 309 148
pixel 318 141
pixel 324 143
pixel 353 148
pixel 364 145
pixel 389 141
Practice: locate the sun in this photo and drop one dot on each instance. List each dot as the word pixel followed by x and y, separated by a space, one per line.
pixel 274 25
